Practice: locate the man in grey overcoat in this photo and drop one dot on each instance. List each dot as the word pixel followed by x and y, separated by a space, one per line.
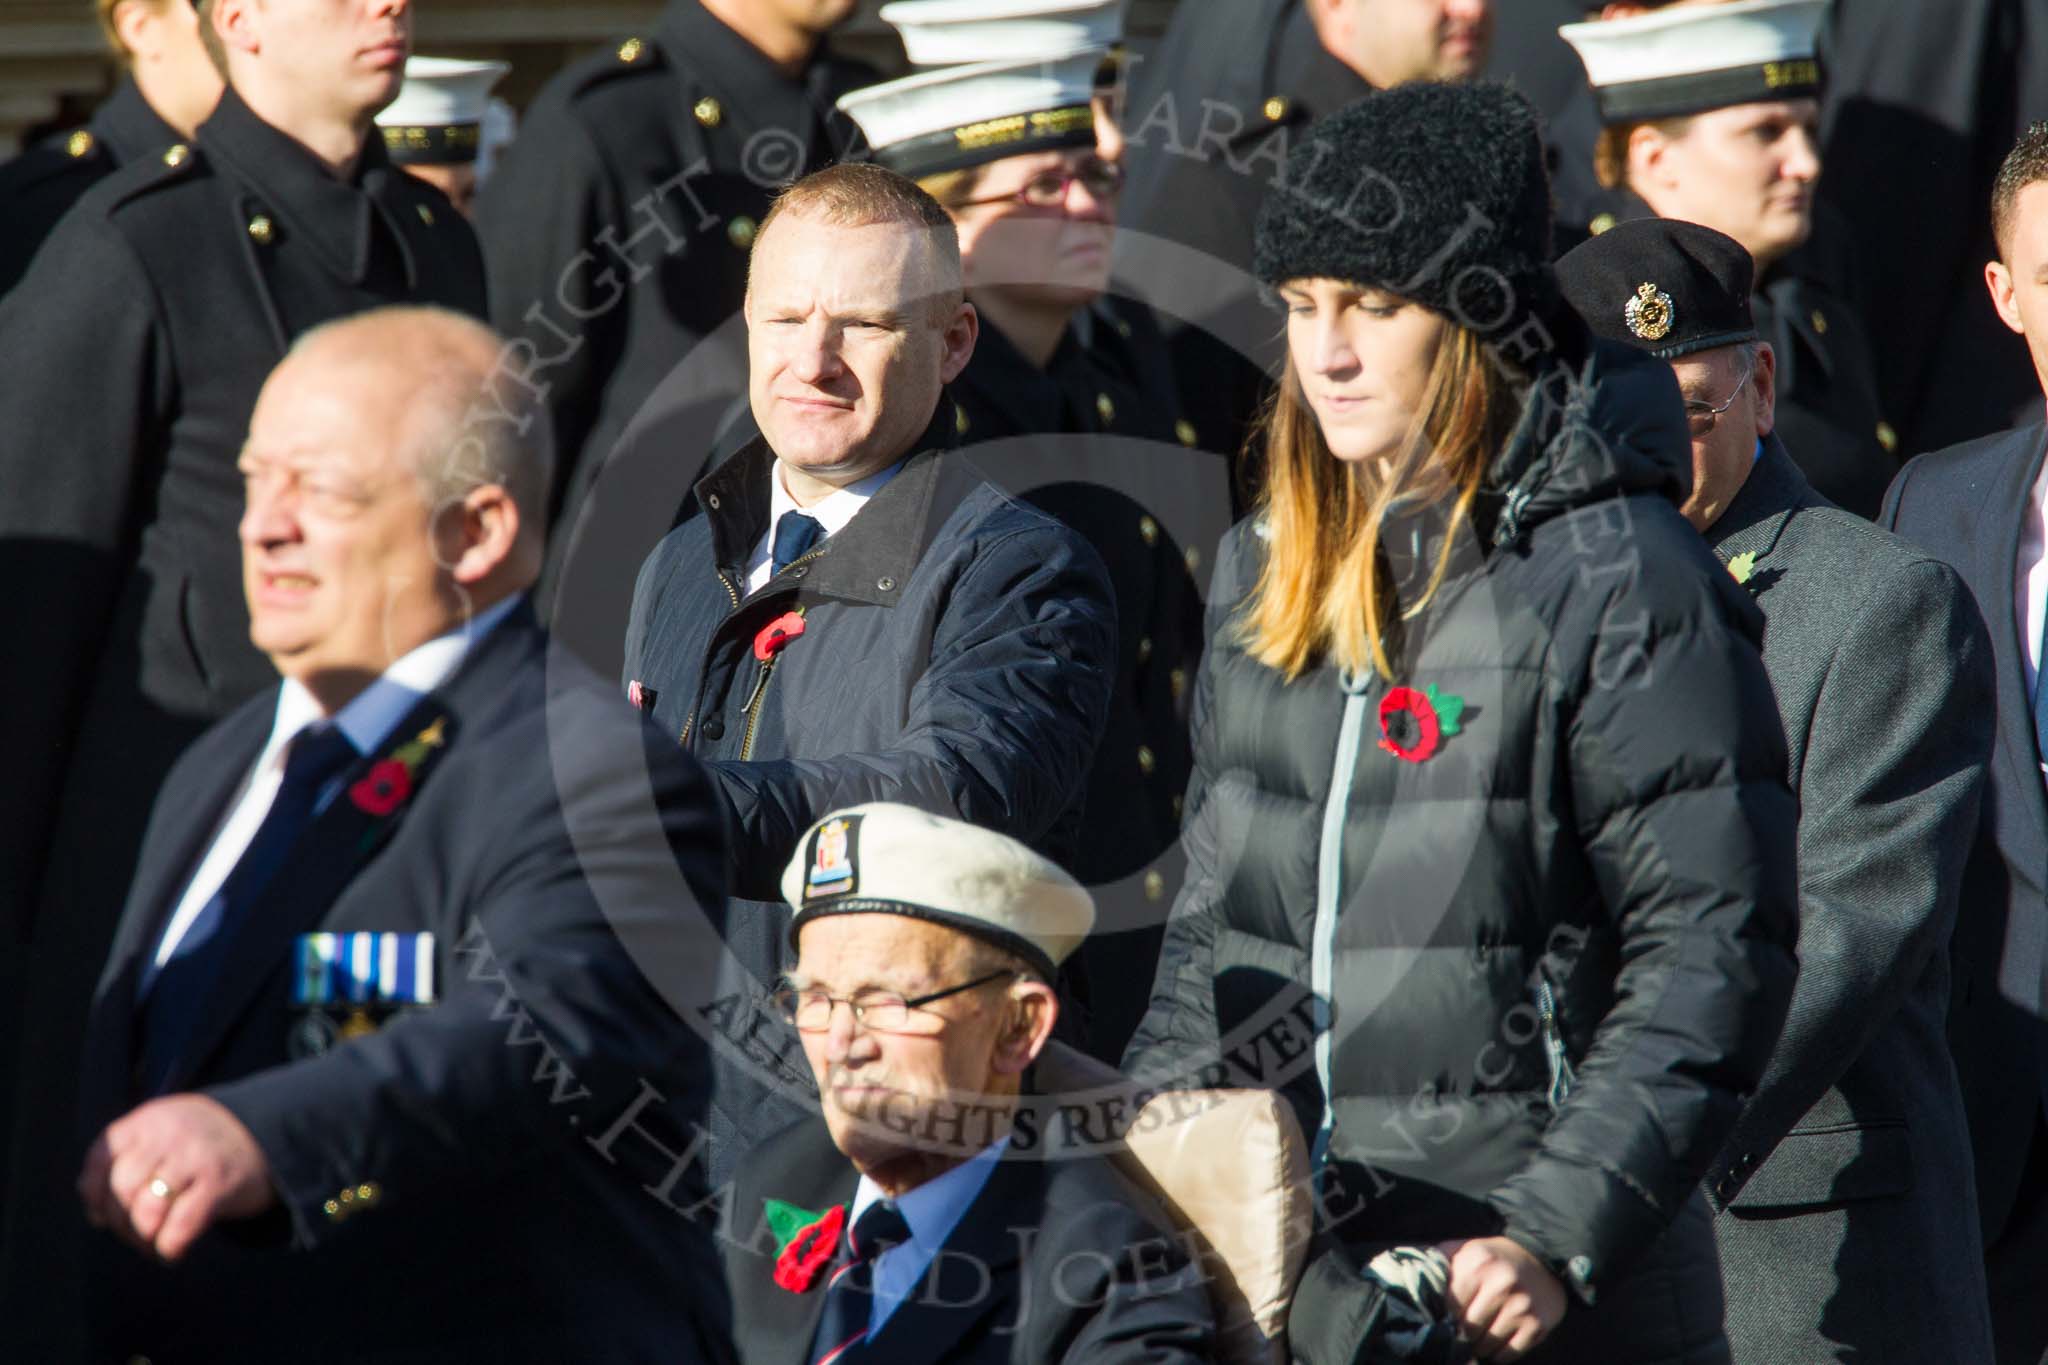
pixel 1846 1205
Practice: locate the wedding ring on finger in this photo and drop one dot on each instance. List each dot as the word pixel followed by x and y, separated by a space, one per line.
pixel 159 1187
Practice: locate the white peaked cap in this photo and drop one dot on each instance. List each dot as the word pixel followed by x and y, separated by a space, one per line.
pixel 439 109
pixel 1692 58
pixel 960 116
pixel 888 859
pixel 937 32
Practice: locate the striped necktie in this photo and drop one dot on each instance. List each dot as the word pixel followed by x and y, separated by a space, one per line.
pixel 850 1296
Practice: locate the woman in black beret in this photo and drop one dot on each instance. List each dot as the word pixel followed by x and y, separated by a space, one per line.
pixel 1490 847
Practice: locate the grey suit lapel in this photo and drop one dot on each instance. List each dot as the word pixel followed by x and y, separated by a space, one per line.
pixel 1760 512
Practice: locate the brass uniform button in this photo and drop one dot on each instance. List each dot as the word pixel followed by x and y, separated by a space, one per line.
pixel 740 231
pixel 1148 530
pixel 1888 438
pixel 1155 886
pixel 1146 762
pixel 1184 431
pixel 79 143
pixel 426 215
pixel 1105 409
pixel 1145 649
pixel 177 154
pixel 631 50
pixel 368 1193
pixel 1820 322
pixel 1276 108
pixel 347 1196
pixel 1179 803
pixel 331 1208
pixel 959 420
pixel 1177 682
pixel 1194 559
pixel 1601 223
pixel 1123 329
pixel 261 230
pixel 709 112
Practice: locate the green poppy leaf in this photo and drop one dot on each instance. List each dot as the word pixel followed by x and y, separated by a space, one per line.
pixel 1450 709
pixel 1743 565
pixel 787 1220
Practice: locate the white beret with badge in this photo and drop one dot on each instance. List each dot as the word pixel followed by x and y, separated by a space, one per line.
pixel 438 117
pixel 1688 59
pixel 889 859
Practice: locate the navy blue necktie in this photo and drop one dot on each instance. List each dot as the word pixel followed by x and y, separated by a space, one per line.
pixel 795 534
pixel 850 1297
pixel 177 996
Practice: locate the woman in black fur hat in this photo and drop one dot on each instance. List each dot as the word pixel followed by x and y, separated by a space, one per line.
pixel 1490 847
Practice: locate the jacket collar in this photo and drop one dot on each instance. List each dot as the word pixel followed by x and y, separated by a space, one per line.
pixel 129 126
pixel 2008 502
pixel 1030 399
pixel 872 557
pixel 336 216
pixel 1761 509
pixel 755 91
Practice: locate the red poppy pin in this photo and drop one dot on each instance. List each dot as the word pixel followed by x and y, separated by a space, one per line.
pixel 389 782
pixel 778 633
pixel 1413 723
pixel 807 1242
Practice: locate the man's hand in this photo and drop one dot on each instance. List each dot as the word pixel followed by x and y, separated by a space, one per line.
pixel 164 1172
pixel 1505 1300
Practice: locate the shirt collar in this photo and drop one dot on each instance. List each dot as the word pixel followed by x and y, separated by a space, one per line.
pixel 369 717
pixel 836 510
pixel 936 1207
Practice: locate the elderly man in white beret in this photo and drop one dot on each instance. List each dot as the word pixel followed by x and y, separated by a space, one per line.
pixel 921 1220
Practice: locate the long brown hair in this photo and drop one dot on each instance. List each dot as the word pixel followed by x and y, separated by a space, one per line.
pixel 1324 593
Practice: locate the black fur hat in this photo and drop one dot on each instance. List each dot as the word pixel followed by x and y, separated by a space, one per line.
pixel 1434 192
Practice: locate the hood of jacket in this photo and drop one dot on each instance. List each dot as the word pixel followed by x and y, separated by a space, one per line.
pixel 1602 421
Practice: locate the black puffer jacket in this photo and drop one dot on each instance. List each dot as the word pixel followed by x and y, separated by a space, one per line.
pixel 1556 952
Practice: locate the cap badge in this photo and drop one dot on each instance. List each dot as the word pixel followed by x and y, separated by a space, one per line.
pixel 833 859
pixel 1649 313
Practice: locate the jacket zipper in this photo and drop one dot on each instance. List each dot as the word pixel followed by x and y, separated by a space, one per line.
pixel 691 719
pixel 753 707
pixel 1562 1077
pixel 1329 895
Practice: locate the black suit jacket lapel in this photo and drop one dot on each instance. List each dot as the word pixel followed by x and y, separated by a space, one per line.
pixel 2009 507
pixel 974 1276
pixel 811 1173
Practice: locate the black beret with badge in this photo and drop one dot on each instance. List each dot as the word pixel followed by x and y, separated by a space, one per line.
pixel 1663 286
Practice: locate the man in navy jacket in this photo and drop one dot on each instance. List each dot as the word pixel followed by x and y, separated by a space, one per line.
pixel 851 614
pixel 411 934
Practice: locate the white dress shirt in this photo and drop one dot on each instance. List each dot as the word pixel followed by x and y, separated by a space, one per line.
pixel 833 512
pixel 2030 586
pixel 932 1210
pixel 368 720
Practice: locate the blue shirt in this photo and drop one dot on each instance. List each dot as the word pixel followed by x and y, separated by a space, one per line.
pixel 932 1210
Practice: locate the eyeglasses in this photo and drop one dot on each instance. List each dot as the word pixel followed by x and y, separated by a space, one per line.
pixel 1048 189
pixel 1701 417
pixel 875 1011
